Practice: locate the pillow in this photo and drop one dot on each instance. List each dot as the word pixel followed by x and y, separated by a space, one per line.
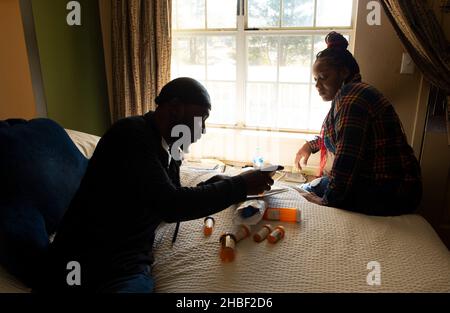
pixel 86 143
pixel 40 170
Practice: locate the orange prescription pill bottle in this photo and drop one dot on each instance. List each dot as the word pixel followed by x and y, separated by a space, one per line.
pixel 262 233
pixel 276 235
pixel 242 233
pixel 283 214
pixel 208 226
pixel 227 246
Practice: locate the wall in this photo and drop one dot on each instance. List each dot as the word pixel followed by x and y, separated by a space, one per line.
pixel 16 92
pixel 379 53
pixel 72 65
pixel 436 181
pixel 435 162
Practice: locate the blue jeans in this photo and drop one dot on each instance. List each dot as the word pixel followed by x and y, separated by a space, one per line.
pixel 383 199
pixel 317 186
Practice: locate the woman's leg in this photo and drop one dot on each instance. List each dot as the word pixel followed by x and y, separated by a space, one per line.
pixel 317 186
pixel 388 199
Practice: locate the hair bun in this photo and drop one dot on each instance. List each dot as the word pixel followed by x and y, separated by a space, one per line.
pixel 336 41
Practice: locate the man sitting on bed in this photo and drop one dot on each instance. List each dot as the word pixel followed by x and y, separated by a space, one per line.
pixel 131 185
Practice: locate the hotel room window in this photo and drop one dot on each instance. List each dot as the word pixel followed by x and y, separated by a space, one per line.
pixel 255 57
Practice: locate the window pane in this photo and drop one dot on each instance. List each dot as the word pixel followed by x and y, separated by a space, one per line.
pixel 334 13
pixel 319 44
pixel 263 13
pixel 262 58
pixel 295 59
pixel 191 14
pixel 261 108
pixel 188 57
pixel 293 106
pixel 298 13
pixel 174 15
pixel 279 89
pixel 318 110
pixel 221 13
pixel 223 102
pixel 221 58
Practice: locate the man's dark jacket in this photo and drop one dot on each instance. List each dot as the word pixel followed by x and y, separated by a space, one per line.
pixel 127 191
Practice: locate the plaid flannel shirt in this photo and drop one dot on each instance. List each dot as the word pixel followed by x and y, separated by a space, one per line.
pixel 365 134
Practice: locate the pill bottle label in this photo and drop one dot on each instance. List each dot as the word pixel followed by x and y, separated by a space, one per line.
pixel 229 242
pixel 209 223
pixel 242 233
pixel 272 214
pixel 275 236
pixel 261 234
pixel 298 216
pixel 283 214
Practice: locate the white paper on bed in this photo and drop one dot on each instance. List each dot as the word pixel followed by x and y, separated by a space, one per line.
pixel 258 205
pixel 274 191
pixel 329 251
pixel 86 143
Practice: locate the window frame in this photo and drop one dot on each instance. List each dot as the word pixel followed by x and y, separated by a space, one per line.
pixel 242 31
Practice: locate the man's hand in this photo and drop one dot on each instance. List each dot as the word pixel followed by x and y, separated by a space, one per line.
pixel 313 198
pixel 214 179
pixel 257 181
pixel 304 153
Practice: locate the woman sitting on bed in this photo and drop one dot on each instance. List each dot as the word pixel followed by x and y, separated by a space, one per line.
pixel 374 169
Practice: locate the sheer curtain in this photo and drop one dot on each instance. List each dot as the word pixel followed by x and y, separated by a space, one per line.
pixel 141 51
pixel 417 26
pixel 241 146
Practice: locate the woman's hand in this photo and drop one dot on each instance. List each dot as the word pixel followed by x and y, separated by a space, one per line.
pixel 303 153
pixel 313 198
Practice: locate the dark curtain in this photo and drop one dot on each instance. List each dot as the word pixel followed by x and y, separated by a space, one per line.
pixel 423 37
pixel 141 51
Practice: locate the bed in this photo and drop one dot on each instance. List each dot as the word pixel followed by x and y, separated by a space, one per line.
pixel 331 250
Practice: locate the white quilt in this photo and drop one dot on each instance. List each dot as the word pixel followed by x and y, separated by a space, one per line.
pixel 329 251
pixel 86 143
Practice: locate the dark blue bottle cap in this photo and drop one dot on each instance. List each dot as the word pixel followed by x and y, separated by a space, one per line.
pixel 248 211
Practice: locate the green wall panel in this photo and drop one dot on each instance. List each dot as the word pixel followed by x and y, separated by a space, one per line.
pixel 73 66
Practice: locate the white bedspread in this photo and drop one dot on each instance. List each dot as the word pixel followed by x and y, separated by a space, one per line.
pixel 86 143
pixel 327 252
